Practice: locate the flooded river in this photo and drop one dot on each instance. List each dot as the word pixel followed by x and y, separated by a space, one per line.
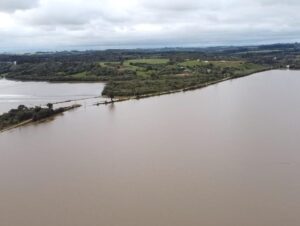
pixel 225 155
pixel 14 93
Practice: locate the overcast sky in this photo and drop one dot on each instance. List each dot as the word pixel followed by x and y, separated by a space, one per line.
pixel 31 25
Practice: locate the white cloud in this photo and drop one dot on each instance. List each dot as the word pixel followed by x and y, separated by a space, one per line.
pixel 48 24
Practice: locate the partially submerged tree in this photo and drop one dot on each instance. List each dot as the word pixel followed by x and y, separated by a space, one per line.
pixel 111 95
pixel 50 106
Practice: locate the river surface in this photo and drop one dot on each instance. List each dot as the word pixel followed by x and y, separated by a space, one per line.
pixel 14 93
pixel 225 155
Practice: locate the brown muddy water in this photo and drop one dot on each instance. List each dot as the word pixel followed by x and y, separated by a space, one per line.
pixel 225 155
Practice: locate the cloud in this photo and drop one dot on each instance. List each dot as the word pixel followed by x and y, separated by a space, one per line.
pixel 62 24
pixel 13 5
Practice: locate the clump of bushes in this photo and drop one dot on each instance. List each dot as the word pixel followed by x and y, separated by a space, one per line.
pixel 23 113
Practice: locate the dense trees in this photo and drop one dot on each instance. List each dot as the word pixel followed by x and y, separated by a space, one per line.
pixel 23 113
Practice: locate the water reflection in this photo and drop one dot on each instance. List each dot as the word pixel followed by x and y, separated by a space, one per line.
pixel 14 93
pixel 111 107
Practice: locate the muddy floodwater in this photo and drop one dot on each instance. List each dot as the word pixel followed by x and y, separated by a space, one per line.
pixel 225 155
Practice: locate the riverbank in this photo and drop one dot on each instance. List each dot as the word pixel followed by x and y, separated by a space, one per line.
pixel 23 116
pixel 199 86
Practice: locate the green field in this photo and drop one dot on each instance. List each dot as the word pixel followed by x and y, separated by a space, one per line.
pixel 142 67
pixel 194 63
pixel 146 61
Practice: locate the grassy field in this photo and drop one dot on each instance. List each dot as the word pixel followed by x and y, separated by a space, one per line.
pixel 146 61
pixel 141 66
pixel 80 75
pixel 197 63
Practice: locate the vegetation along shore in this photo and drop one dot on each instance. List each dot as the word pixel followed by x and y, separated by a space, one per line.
pixel 24 115
pixel 139 72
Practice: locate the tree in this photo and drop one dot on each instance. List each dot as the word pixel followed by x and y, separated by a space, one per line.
pixel 22 107
pixel 111 95
pixel 50 106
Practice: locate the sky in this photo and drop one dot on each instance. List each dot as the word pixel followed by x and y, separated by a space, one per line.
pixel 42 25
